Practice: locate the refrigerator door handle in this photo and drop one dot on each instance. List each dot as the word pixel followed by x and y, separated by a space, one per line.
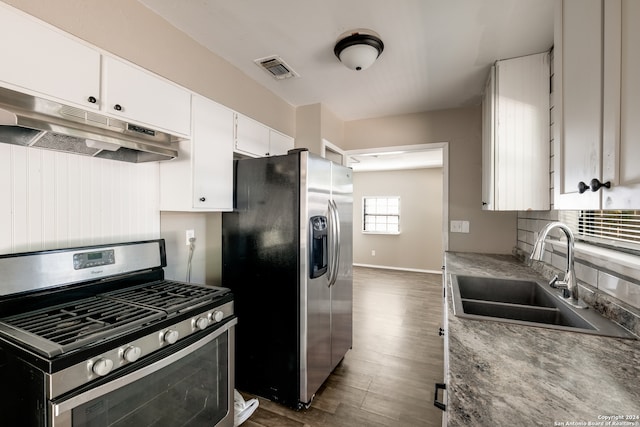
pixel 331 245
pixel 335 237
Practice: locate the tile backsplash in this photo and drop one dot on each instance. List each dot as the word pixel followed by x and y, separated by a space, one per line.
pixel 610 285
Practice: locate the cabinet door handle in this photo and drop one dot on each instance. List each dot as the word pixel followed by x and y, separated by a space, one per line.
pixel 92 99
pixel 202 199
pixel 582 187
pixel 436 403
pixel 117 107
pixel 596 184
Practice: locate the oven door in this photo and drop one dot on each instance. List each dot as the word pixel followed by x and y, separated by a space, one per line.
pixel 192 386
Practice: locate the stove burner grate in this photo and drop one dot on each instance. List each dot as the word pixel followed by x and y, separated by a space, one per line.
pixel 66 327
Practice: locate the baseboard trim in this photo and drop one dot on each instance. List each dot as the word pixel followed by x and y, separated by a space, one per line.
pixel 386 267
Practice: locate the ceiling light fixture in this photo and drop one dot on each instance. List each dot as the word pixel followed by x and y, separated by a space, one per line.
pixel 358 49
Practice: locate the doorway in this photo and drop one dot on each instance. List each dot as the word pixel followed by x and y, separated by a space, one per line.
pixel 385 168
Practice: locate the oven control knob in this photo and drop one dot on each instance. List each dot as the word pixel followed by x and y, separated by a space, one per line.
pixel 131 354
pixel 171 336
pixel 201 323
pixel 217 316
pixel 102 366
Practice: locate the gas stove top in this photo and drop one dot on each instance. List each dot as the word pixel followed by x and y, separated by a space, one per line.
pixel 66 327
pixel 73 306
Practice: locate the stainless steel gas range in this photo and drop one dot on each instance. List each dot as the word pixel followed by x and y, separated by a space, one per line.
pixel 95 336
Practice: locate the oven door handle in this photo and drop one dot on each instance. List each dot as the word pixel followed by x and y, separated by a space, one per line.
pixel 67 405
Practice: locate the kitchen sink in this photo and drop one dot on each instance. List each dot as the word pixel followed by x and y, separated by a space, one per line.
pixel 525 302
pixel 524 292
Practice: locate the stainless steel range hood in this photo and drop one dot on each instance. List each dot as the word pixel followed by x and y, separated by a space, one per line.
pixel 35 122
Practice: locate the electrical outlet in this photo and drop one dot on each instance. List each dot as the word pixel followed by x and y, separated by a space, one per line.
pixel 373 252
pixel 191 234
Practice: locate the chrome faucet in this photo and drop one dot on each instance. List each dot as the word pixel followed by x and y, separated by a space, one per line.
pixel 569 284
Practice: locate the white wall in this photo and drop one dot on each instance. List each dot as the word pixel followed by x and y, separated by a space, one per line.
pixel 53 200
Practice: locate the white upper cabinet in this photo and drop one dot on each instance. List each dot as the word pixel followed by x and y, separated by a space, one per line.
pixel 515 140
pixel 44 61
pixel 255 139
pixel 41 60
pixel 279 143
pixel 252 137
pixel 201 178
pixel 578 102
pixel 597 103
pixel 134 94
pixel 621 124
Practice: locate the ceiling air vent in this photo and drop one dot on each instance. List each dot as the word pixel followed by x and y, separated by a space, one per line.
pixel 276 67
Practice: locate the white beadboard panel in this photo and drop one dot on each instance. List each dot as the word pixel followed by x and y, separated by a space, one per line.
pixel 34 208
pixel 59 200
pixel 49 194
pixel 6 207
pixel 19 190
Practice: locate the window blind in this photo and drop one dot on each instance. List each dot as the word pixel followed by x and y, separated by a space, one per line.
pixel 619 229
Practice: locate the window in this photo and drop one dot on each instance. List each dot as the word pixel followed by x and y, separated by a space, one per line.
pixel 618 229
pixel 381 215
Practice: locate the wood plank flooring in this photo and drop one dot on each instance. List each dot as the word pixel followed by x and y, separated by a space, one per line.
pixel 388 378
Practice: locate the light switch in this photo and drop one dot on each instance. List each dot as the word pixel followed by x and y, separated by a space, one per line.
pixel 459 226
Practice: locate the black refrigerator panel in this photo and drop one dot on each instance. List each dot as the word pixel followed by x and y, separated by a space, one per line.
pixel 260 264
pixel 287 256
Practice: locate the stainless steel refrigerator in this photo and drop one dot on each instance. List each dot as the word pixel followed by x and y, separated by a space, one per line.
pixel 287 256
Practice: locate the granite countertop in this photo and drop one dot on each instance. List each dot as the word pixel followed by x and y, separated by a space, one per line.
pixel 501 374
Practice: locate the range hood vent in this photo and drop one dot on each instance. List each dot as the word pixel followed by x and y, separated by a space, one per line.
pixel 35 122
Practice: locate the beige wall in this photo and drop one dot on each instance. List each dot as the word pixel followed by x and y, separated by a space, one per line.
pixel 309 128
pixel 314 123
pixel 419 244
pixel 490 232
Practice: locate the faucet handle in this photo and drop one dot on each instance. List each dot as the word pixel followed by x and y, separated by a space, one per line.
pixel 555 283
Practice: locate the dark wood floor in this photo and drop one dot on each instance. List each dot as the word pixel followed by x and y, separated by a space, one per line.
pixel 388 378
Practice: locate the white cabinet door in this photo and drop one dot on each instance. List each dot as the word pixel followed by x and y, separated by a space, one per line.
pixel 621 127
pixel 201 178
pixel 41 60
pixel 279 143
pixel 488 141
pixel 516 146
pixel 252 137
pixel 134 94
pixel 578 102
pixel 212 155
pixel 597 67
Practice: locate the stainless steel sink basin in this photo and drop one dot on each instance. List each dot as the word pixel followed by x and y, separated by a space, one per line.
pixel 525 302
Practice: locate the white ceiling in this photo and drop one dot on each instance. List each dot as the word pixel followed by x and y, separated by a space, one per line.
pixel 375 160
pixel 437 52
